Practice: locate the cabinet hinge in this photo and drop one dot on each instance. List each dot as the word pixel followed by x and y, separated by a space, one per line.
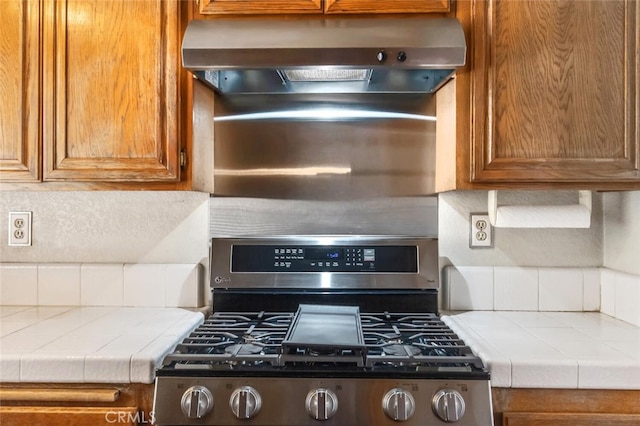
pixel 183 159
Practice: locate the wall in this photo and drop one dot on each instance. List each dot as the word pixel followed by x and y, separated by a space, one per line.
pixel 517 247
pixel 151 227
pixel 622 231
pixel 415 216
pixel 110 226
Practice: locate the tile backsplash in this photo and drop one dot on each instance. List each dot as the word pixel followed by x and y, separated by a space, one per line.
pixel 109 284
pixel 489 288
pixel 621 295
pixel 501 288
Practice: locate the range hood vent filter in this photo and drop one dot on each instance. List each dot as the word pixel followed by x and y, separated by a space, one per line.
pixel 328 55
pixel 326 75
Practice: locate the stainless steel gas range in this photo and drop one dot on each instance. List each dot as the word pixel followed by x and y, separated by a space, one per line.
pixel 323 330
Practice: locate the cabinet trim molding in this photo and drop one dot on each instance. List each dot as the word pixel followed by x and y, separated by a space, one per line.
pixel 60 394
pixel 240 7
pixel 389 6
pixel 20 149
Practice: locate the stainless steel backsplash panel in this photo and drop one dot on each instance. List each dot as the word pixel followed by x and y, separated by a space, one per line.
pixel 338 158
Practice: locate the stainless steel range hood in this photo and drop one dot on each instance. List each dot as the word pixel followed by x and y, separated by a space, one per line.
pixel 338 55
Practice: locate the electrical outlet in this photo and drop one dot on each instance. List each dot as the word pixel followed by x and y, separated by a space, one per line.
pixel 19 228
pixel 480 231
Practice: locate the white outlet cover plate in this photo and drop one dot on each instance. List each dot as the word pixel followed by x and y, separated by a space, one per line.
pixel 25 240
pixel 474 242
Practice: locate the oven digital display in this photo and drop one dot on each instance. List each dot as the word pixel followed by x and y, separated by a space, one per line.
pixel 293 258
pixel 323 253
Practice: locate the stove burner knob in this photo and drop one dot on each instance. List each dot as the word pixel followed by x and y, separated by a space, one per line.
pixel 245 402
pixel 448 405
pixel 321 404
pixel 196 402
pixel 398 404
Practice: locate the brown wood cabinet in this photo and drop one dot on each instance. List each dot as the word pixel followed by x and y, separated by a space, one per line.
pixel 69 405
pixel 560 407
pixel 548 97
pixel 107 107
pixel 20 90
pixel 239 7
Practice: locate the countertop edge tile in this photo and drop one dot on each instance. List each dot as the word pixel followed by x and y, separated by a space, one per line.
pixel 544 373
pixel 615 375
pixel 10 368
pixel 49 368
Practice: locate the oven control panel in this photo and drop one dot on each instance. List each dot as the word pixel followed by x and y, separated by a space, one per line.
pixel 329 258
pixel 324 261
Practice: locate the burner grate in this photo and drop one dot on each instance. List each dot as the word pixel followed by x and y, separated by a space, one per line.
pixel 399 341
pixel 232 340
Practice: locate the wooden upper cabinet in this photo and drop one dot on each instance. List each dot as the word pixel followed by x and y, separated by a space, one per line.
pixel 554 91
pixel 110 95
pixel 19 87
pixel 239 7
pixel 385 6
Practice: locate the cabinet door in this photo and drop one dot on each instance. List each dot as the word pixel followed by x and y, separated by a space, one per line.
pixel 110 71
pixel 385 6
pixel 19 90
pixel 259 6
pixel 554 92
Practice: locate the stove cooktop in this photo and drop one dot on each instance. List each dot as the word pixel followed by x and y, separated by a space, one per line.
pixel 316 342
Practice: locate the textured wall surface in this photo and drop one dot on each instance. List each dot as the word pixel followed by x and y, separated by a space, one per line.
pixel 152 227
pixel 517 246
pixel 415 216
pixel 622 231
pixel 110 226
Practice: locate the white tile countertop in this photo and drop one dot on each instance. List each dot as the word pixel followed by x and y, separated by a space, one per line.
pixel 570 350
pixel 59 344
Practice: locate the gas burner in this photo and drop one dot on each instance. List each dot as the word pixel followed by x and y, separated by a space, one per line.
pixel 243 349
pixel 401 350
pixel 257 338
pixel 433 349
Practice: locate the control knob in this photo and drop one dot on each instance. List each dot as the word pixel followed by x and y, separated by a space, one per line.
pixel 321 404
pixel 245 402
pixel 381 56
pixel 399 404
pixel 448 405
pixel 197 401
